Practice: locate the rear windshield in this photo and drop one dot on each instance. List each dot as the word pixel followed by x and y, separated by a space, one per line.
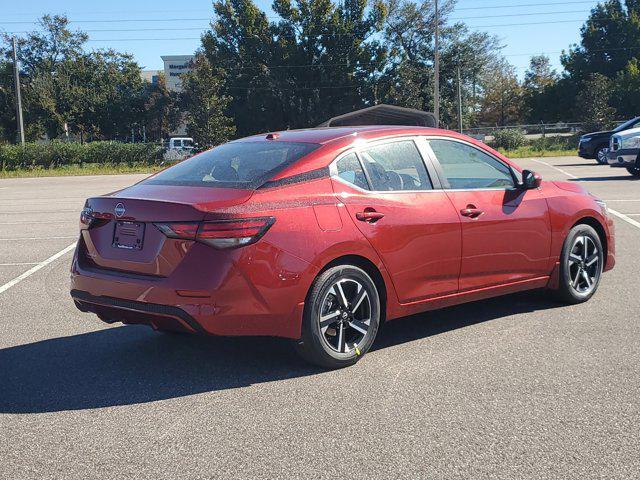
pixel 234 165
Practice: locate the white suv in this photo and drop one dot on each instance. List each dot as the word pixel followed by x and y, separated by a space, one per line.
pixel 624 150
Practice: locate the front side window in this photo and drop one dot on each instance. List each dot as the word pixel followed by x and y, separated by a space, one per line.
pixel 234 165
pixel 466 167
pixel 350 170
pixel 396 166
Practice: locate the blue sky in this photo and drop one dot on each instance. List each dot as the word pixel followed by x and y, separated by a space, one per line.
pixel 166 27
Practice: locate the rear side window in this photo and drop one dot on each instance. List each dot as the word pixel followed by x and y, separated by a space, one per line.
pixel 350 170
pixel 466 167
pixel 234 165
pixel 396 166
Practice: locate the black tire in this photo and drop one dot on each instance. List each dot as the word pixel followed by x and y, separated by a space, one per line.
pixel 574 287
pixel 324 345
pixel 601 154
pixel 635 171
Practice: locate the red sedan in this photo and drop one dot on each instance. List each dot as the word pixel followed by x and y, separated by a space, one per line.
pixel 321 235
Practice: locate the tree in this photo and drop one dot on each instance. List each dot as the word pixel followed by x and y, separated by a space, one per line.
pixel 625 94
pixel 538 89
pixel 502 102
pixel 7 102
pixel 98 94
pixel 205 106
pixel 610 38
pixel 161 110
pixel 317 61
pixel 409 33
pixel 593 101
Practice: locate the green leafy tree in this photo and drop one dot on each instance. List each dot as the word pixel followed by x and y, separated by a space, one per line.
pixel 206 120
pixel 594 100
pixel 625 95
pixel 409 33
pixel 610 38
pixel 98 94
pixel 161 110
pixel 319 60
pixel 539 89
pixel 502 101
pixel 7 103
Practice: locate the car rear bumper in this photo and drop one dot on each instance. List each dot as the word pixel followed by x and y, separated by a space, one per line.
pixel 160 317
pixel 257 290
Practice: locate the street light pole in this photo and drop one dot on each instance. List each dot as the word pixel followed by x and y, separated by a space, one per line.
pixel 16 76
pixel 436 68
pixel 459 101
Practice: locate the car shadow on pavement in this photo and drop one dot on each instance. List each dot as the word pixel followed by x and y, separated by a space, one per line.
pixel 132 364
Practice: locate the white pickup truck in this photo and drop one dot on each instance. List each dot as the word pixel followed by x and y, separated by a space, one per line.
pixel 178 148
pixel 624 151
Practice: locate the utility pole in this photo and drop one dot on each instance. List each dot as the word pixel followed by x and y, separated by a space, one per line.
pixel 436 68
pixel 459 101
pixel 16 76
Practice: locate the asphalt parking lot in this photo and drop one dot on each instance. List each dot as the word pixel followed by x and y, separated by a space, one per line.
pixel 514 387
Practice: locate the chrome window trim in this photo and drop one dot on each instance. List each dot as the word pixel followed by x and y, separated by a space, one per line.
pixel 333 167
pixel 429 158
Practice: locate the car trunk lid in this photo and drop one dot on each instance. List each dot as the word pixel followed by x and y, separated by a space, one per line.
pixel 123 236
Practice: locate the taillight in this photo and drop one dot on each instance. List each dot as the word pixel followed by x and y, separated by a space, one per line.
pixel 86 216
pixel 91 219
pixel 221 233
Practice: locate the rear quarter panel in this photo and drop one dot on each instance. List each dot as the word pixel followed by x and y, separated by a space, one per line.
pixel 313 225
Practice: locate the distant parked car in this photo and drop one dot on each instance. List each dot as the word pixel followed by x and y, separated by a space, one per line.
pixel 596 145
pixel 624 151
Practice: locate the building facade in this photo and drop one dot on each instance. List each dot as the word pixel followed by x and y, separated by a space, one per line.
pixel 174 66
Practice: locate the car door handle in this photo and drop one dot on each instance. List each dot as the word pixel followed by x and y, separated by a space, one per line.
pixel 471 211
pixel 369 216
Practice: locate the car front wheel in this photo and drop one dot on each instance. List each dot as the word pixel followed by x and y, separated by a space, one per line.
pixel 601 155
pixel 581 264
pixel 341 317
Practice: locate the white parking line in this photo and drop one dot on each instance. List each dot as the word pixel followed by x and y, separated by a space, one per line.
pixel 38 238
pixel 621 216
pixel 38 266
pixel 17 264
pixel 625 218
pixel 570 175
pixel 42 223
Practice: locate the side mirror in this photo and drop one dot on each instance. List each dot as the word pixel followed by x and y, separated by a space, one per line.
pixel 531 180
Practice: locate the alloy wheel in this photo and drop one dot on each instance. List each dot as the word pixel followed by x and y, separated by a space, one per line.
pixel 584 265
pixel 601 155
pixel 345 315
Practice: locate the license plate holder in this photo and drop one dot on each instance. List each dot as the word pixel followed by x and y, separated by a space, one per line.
pixel 128 235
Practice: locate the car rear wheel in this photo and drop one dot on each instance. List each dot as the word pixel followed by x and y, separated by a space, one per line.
pixel 341 317
pixel 581 265
pixel 601 154
pixel 635 171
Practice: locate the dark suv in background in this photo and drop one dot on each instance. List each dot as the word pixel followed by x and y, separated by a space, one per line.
pixel 596 145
